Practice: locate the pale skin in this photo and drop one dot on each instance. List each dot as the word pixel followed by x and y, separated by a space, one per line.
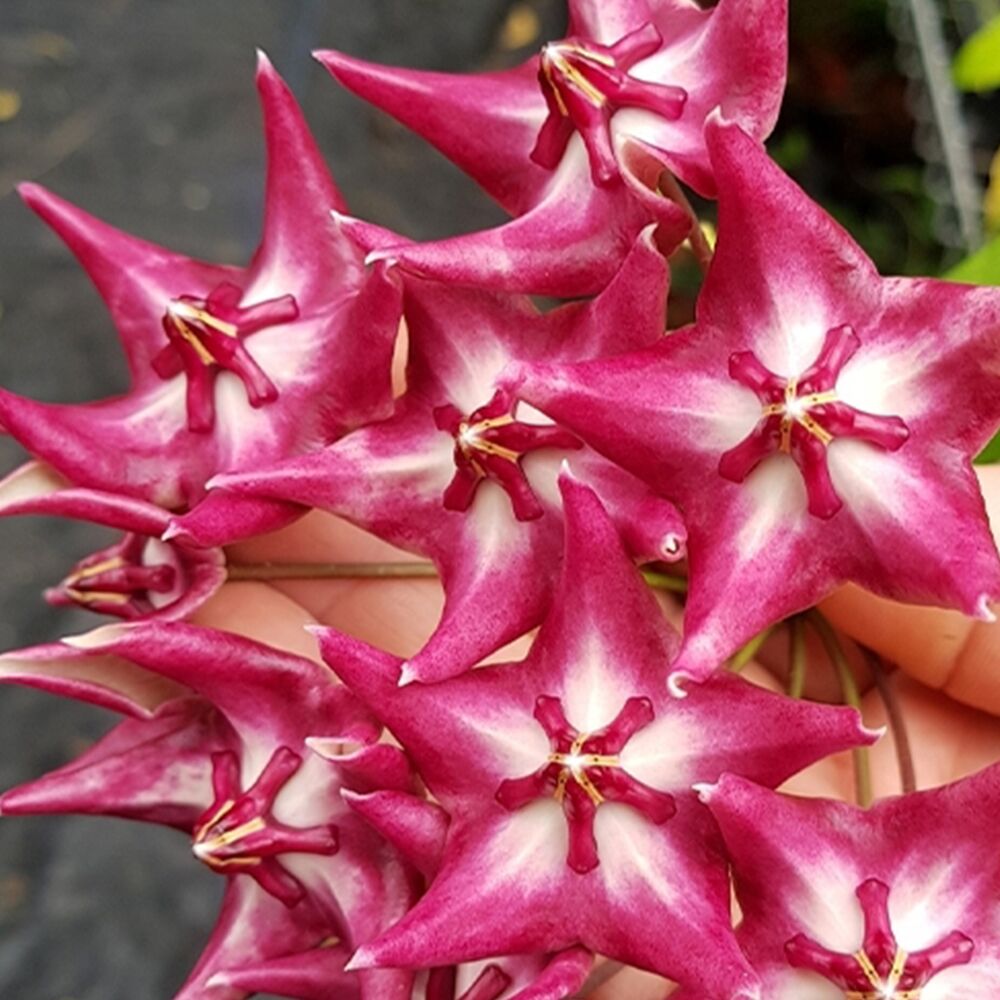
pixel 947 683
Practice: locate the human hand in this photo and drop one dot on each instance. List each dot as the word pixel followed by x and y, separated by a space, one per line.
pixel 939 681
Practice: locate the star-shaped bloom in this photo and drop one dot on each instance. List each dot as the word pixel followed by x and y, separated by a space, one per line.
pixel 139 576
pixel 898 902
pixel 573 142
pixel 815 425
pixel 567 778
pixel 244 749
pixel 230 368
pixel 418 829
pixel 461 475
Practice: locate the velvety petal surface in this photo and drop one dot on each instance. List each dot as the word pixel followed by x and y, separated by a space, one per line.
pixel 568 778
pixel 230 367
pixel 788 491
pixel 460 475
pixel 809 867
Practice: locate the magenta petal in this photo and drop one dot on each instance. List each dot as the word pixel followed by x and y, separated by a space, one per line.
pixel 560 771
pixel 105 680
pixel 156 770
pixel 560 977
pixel 414 826
pixel 783 504
pixel 252 927
pixel 305 328
pixel 261 690
pixel 822 872
pixel 222 518
pixel 607 22
pixel 314 975
pixel 528 254
pixel 485 123
pixel 139 576
pixel 107 254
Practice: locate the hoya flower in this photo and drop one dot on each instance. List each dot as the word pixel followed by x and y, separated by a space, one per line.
pixel 245 750
pixel 418 829
pixel 567 779
pixel 462 475
pixel 898 902
pixel 573 142
pixel 230 367
pixel 139 576
pixel 815 425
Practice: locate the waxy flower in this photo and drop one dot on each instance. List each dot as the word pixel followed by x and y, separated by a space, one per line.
pixel 244 749
pixel 230 367
pixel 139 576
pixel 815 425
pixel 418 829
pixel 567 779
pixel 574 141
pixel 898 902
pixel 461 474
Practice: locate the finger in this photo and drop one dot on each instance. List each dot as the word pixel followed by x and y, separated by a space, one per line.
pixel 942 649
pixel 262 613
pixel 948 740
pixel 396 615
pixel 632 984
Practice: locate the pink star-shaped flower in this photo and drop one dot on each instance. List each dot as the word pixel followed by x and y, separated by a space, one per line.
pixel 897 902
pixel 574 141
pixel 815 425
pixel 230 367
pixel 567 779
pixel 245 749
pixel 462 475
pixel 139 576
pixel 417 828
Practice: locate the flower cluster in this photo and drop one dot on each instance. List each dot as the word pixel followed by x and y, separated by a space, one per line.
pixel 441 829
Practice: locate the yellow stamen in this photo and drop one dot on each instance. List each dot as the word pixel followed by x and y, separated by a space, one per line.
pixel 180 311
pixel 94 596
pixel 554 57
pixel 469 439
pixel 575 764
pixel 795 410
pixel 86 572
pixel 883 990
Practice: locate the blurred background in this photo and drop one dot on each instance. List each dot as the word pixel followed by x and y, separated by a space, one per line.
pixel 145 113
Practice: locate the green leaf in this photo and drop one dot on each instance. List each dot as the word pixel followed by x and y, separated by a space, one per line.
pixel 977 65
pixel 982 268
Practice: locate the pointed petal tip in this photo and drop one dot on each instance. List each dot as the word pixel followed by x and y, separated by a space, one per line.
pixel 317 630
pixel 984 612
pixel 873 733
pixel 30 192
pixel 678 681
pixel 103 635
pixel 336 748
pixel 407 675
pixel 363 958
pixel 263 62
pixel 704 790
pixel 673 548
pixel 175 530
pixel 387 257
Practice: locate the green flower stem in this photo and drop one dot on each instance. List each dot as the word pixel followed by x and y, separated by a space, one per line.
pixel 897 723
pixel 330 571
pixel 743 656
pixel 851 696
pixel 664 581
pixel 797 658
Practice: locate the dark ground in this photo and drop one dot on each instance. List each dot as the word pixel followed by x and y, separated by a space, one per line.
pixel 145 113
